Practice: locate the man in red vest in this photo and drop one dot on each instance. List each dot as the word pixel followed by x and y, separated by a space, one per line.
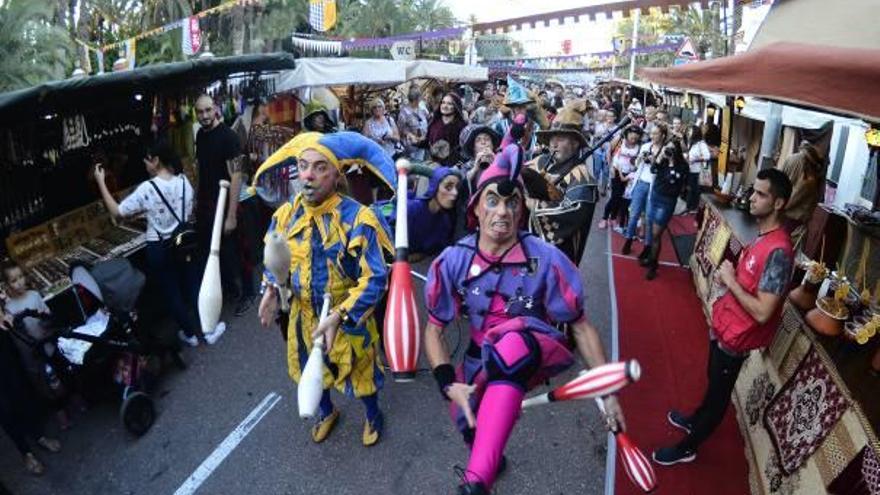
pixel 745 317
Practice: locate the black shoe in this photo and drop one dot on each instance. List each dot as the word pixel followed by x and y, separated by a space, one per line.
pixel 668 456
pixel 472 489
pixel 244 305
pixel 645 256
pixel 627 247
pixel 680 421
pixel 502 466
pixel 651 274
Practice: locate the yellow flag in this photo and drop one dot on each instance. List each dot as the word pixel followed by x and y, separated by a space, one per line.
pixel 322 14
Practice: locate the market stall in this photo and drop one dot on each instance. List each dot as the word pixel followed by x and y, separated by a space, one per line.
pixel 806 404
pixel 50 214
pixel 354 80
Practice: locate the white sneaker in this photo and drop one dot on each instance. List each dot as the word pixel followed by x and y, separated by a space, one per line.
pixel 190 341
pixel 214 336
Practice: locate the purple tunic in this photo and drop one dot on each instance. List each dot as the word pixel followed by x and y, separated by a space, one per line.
pixel 536 280
pixel 538 286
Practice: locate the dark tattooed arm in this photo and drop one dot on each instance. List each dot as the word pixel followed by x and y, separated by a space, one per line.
pixel 777 272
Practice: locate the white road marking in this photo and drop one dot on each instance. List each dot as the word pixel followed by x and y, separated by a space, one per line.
pixel 229 444
pixel 661 262
pixel 611 457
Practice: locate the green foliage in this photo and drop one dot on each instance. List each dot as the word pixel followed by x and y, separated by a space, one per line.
pixel 382 18
pixel 34 50
pixel 702 26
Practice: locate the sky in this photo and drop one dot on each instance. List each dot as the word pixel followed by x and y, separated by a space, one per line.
pixel 586 37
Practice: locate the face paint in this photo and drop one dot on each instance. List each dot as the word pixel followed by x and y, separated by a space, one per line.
pixel 499 215
pixel 318 177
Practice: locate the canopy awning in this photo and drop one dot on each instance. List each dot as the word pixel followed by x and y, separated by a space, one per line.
pixel 93 91
pixel 833 79
pixel 311 72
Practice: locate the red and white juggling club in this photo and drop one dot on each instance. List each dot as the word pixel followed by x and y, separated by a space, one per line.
pixel 637 467
pixel 401 330
pixel 597 382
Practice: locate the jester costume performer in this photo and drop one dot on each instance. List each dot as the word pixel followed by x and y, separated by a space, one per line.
pixel 565 223
pixel 516 291
pixel 338 246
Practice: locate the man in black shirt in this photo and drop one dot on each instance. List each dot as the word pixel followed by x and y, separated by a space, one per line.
pixel 219 156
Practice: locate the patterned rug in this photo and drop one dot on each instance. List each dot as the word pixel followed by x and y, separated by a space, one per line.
pixel 803 412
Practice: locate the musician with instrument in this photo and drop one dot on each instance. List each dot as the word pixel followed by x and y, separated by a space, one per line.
pixel 565 221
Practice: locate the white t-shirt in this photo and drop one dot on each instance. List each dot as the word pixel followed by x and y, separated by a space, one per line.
pixel 645 174
pixel 145 200
pixel 698 155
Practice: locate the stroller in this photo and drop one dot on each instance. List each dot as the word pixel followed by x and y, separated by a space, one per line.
pixel 108 345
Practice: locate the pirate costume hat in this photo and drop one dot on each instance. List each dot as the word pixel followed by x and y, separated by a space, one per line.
pixel 569 121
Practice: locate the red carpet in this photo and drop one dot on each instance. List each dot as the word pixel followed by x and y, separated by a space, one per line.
pixel 667 251
pixel 661 324
pixel 682 225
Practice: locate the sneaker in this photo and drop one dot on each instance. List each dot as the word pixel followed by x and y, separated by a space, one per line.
pixel 33 465
pixel 627 247
pixel 679 421
pixel 618 229
pixel 244 305
pixel 472 489
pixel 213 337
pixel 603 224
pixel 190 341
pixel 668 456
pixel 645 256
pixel 373 430
pixel 321 430
pixel 651 274
pixel 50 444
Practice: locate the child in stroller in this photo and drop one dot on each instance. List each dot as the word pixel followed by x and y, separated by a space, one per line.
pixel 108 347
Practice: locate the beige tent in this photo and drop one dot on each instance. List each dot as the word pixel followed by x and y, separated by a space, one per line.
pixel 849 24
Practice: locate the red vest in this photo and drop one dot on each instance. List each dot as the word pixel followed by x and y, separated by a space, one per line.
pixel 734 326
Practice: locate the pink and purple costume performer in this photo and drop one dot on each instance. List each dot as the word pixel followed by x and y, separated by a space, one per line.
pixel 516 299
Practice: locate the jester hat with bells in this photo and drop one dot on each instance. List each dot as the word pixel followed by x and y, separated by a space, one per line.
pixel 504 171
pixel 345 150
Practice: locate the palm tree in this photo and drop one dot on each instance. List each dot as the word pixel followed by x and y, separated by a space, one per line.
pixel 34 49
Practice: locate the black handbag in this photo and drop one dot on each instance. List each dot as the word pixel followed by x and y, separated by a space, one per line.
pixel 183 241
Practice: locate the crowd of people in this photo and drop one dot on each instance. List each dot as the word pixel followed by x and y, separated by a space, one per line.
pixel 515 175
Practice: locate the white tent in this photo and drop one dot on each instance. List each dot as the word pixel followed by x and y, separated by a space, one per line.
pixel 311 72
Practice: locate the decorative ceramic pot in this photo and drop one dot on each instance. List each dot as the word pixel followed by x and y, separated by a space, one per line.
pixel 803 297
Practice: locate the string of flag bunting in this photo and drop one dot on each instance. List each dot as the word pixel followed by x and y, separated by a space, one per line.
pixel 583 57
pixel 191 33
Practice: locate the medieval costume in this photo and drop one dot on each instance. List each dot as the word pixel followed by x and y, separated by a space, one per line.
pixel 566 223
pixel 340 247
pixel 514 302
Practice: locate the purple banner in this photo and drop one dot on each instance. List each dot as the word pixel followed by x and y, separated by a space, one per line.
pixel 366 43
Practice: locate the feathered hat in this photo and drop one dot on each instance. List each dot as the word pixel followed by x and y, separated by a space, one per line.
pixel 569 121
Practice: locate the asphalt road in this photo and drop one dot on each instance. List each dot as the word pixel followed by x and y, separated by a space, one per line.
pixel 554 450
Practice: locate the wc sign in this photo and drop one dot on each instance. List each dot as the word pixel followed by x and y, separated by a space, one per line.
pixel 403 50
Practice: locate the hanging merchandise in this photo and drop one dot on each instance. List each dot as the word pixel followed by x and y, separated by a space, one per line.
pixel 192 36
pixel 322 14
pixel 75 135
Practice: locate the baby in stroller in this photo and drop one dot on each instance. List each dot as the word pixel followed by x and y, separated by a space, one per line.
pixel 107 349
pixel 18 300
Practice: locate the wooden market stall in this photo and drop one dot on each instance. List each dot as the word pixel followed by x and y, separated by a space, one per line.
pixel 807 405
pixel 50 212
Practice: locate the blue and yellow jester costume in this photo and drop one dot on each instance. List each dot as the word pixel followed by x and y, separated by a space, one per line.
pixel 338 247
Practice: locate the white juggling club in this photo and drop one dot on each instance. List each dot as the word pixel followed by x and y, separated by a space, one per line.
pixel 211 292
pixel 311 382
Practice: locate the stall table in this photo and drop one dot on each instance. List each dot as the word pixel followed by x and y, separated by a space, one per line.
pixel 801 403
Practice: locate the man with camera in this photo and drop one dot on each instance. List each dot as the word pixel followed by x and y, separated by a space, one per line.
pixel 478 144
